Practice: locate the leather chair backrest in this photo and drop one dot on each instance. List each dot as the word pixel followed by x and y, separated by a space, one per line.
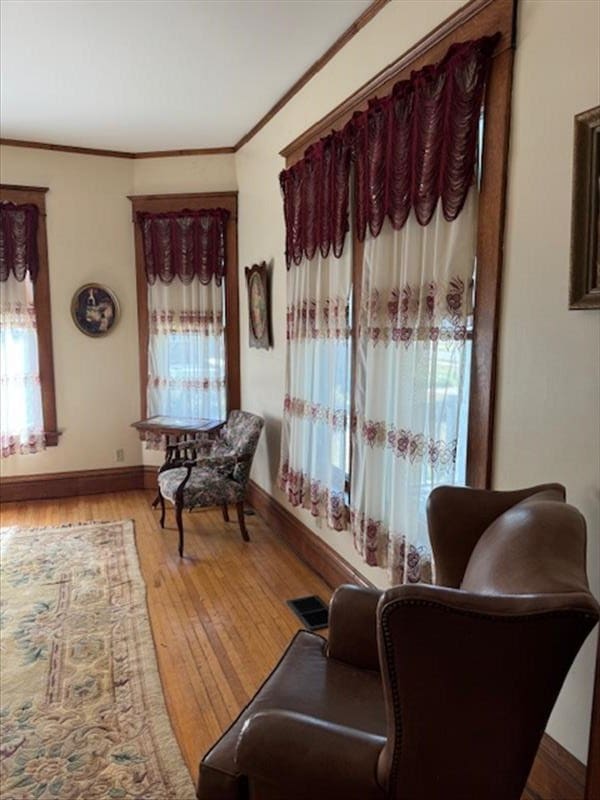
pixel 537 546
pixel 471 673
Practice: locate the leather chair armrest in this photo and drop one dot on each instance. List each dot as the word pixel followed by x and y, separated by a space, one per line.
pixel 353 626
pixel 300 754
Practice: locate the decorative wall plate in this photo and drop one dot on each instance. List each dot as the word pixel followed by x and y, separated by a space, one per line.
pixel 258 305
pixel 95 309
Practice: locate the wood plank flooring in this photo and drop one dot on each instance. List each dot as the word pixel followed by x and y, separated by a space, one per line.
pixel 218 615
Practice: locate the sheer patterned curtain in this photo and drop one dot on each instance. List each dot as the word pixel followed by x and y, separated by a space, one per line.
pixel 411 388
pixel 22 421
pixel 410 158
pixel 317 401
pixel 186 349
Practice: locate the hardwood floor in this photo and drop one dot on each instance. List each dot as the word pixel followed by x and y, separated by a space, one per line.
pixel 218 616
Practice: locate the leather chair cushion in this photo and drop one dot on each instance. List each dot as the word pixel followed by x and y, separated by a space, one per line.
pixel 308 682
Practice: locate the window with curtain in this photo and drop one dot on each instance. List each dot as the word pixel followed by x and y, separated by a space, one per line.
pixel 184 260
pixel 21 413
pixel 411 159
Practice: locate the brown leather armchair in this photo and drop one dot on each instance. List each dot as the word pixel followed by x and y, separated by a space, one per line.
pixel 425 692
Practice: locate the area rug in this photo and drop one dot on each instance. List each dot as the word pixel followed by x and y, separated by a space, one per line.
pixel 82 710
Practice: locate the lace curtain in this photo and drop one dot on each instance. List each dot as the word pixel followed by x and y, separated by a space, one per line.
pixel 316 407
pixel 186 350
pixel 185 262
pixel 410 158
pixel 21 416
pixel 411 390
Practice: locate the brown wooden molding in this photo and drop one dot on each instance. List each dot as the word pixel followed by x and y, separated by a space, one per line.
pixel 322 558
pixel 473 20
pixel 13 187
pixel 490 257
pixel 157 199
pixel 198 151
pixel 556 774
pixel 150 476
pixel 318 65
pixel 97 151
pixel 65 148
pixel 45 486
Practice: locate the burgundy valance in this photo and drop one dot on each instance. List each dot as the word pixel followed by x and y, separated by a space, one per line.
pixel 409 149
pixel 18 240
pixel 185 244
pixel 315 199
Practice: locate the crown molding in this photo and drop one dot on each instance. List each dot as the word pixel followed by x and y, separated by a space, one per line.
pixel 318 65
pixel 367 15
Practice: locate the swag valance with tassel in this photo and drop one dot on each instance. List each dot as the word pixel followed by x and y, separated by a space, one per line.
pixel 410 149
pixel 18 241
pixel 185 244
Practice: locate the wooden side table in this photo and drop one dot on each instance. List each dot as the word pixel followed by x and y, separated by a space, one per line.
pixel 178 430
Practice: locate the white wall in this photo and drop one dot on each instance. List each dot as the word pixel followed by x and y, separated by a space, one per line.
pixel 89 240
pixel 210 173
pixel 548 424
pixel 548 404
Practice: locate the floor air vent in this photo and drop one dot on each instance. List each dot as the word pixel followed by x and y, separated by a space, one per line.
pixel 312 611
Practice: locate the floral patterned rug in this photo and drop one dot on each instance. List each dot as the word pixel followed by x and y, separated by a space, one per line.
pixel 82 713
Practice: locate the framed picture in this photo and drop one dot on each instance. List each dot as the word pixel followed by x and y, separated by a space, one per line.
pixel 258 305
pixel 584 291
pixel 95 309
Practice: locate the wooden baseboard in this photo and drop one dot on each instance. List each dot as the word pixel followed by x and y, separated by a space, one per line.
pixel 150 477
pixel 556 774
pixel 322 558
pixel 71 484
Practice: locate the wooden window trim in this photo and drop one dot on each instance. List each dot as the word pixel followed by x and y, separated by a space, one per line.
pixel 36 195
pixel 477 18
pixel 158 203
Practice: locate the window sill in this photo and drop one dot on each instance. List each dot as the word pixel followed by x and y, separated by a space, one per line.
pixel 52 438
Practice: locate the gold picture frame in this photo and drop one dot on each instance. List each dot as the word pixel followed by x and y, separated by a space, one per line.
pixel 95 309
pixel 584 289
pixel 259 309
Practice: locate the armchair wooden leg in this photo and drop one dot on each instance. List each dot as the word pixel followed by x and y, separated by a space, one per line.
pixel 242 522
pixel 178 512
pixel 225 512
pixel 161 500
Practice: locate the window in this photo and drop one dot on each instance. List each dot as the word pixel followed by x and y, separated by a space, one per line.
pixel 187 316
pixel 28 408
pixel 423 364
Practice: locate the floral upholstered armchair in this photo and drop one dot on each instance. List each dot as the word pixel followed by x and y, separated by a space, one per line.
pixel 216 473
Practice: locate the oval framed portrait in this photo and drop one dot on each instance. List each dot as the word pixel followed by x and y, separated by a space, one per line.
pixel 95 309
pixel 258 306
